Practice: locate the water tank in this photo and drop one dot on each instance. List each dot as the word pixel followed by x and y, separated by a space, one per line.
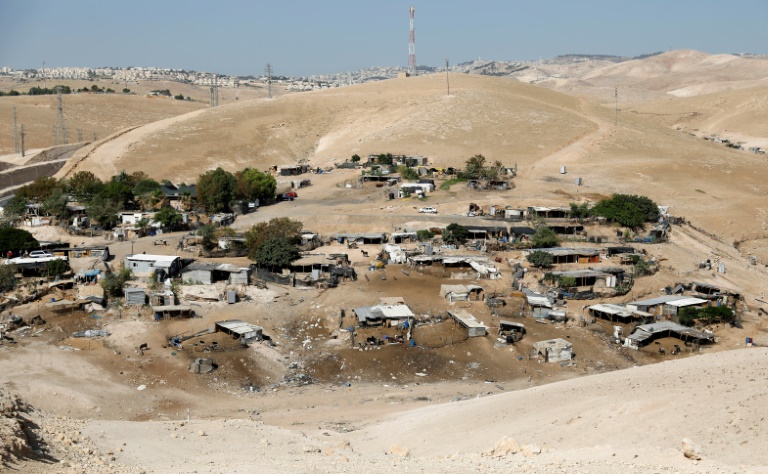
pixel 562 169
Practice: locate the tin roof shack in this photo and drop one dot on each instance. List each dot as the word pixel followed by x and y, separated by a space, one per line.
pixel 382 314
pixel 418 189
pixel 31 265
pixel 209 273
pixel 374 238
pixel 619 314
pixel 510 331
pixel 593 278
pixel 135 296
pixel 566 229
pixel 292 170
pixel 648 333
pixel 540 305
pixel 667 305
pixel 474 327
pixel 462 292
pixel 403 237
pixel 548 212
pixel 77 252
pixel 144 265
pixel 564 255
pixel 240 330
pixel 487 232
pixel 724 295
pixel 554 350
pixel 172 310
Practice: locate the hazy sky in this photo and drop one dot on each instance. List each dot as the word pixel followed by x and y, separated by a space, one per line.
pixel 315 37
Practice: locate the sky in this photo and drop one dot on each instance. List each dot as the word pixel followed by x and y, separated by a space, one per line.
pixel 239 37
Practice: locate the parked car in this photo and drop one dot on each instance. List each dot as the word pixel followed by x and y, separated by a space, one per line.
pixel 39 254
pixel 289 196
pixel 428 210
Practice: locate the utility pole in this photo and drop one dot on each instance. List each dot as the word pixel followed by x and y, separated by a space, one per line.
pixel 269 80
pixel 412 45
pixel 15 134
pixel 23 134
pixel 447 82
pixel 94 136
pixel 60 120
pixel 79 135
pixel 616 108
pixel 45 81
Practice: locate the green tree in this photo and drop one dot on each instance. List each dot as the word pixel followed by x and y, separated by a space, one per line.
pixel 407 172
pixel 475 166
pixel 424 234
pixel 56 204
pixel 628 210
pixel 564 281
pixel 12 238
pixel 276 252
pixel 83 185
pixel 688 316
pixel 208 234
pixel 7 277
pixel 39 190
pixel 103 211
pixel 385 159
pixel 277 228
pixel 455 233
pixel 544 238
pixel 355 158
pixel 146 186
pixel 252 184
pixel 216 190
pixel 126 91
pixel 16 206
pixel 715 314
pixel 580 211
pixel 169 218
pixel 179 97
pixel 56 268
pixel 540 259
pixel 113 283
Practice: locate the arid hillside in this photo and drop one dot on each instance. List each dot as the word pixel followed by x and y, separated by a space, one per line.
pixel 501 119
pixel 102 114
pixel 679 73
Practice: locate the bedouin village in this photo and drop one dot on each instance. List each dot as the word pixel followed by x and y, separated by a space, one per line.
pixel 216 278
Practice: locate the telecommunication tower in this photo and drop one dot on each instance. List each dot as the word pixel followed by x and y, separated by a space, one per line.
pixel 215 91
pixel 59 118
pixel 269 80
pixel 412 46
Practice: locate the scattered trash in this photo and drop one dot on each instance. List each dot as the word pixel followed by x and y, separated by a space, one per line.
pixel 91 333
pixel 141 387
pixel 421 374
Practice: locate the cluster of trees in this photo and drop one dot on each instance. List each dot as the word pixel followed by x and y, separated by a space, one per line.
pixel 477 169
pixel 53 90
pixel 179 97
pixel 625 209
pixel 218 189
pixel 274 244
pixel 165 92
pixel 11 93
pixel 12 238
pixel 216 192
pixel 708 315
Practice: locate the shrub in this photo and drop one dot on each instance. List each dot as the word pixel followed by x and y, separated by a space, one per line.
pixel 540 259
pixel 544 237
pixel 424 234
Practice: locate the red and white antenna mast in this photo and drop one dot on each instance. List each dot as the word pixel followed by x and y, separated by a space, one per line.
pixel 412 46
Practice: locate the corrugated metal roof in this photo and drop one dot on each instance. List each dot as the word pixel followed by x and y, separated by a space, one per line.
pixel 238 327
pixel 466 319
pixel 618 310
pixel 690 301
pixel 659 300
pixel 141 257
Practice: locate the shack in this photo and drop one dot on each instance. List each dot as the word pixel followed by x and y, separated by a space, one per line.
pixel 511 331
pixel 135 296
pixel 554 350
pixel 375 238
pixel 562 255
pixel 619 314
pixel 461 292
pixel 474 327
pixel 667 305
pixel 208 273
pixel 383 313
pixel 170 311
pixel 590 278
pixel 144 265
pixel 244 332
pixel 648 333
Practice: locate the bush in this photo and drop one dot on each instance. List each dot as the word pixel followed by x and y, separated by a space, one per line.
pixel 55 268
pixel 7 277
pixel 424 234
pixel 540 259
pixel 564 281
pixel 544 238
pixel 12 238
pixel 455 233
pixel 113 283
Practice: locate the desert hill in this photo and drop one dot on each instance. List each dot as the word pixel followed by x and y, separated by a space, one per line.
pixel 536 128
pixel 504 120
pixel 679 73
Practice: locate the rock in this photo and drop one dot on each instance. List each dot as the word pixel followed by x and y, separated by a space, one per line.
pixel 399 451
pixel 343 459
pixel 691 450
pixel 504 447
pixel 530 450
pixel 201 433
pixel 311 449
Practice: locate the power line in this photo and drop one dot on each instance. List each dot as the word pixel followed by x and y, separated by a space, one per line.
pixel 269 80
pixel 447 83
pixel 15 134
